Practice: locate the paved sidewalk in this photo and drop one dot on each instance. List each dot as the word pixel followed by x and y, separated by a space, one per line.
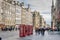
pixel 14 35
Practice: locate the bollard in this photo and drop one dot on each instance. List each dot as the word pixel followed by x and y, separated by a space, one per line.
pixel 0 38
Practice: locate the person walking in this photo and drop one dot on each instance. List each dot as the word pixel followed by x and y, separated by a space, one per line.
pixel 42 31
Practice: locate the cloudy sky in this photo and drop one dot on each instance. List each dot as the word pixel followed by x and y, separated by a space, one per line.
pixel 43 6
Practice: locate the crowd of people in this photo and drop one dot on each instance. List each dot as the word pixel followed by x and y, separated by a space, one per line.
pixel 40 31
pixel 9 29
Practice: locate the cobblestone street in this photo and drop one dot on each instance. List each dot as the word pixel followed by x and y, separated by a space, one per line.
pixel 13 35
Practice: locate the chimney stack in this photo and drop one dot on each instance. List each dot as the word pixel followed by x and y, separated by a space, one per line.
pixel 22 4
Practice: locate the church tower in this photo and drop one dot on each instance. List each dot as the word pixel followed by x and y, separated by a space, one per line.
pixel 52 10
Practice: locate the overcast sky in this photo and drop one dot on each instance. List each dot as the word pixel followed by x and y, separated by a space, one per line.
pixel 43 6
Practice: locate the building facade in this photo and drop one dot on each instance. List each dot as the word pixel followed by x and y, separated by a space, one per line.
pixel 14 13
pixel 18 14
pixel 1 14
pixel 42 22
pixel 58 14
pixel 55 14
pixel 9 13
pixel 26 16
pixel 36 19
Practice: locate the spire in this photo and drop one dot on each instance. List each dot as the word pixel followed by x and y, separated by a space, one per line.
pixel 28 5
pixel 52 3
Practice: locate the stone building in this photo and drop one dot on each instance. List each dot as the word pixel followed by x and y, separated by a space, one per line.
pixel 14 13
pixel 9 13
pixel 1 14
pixel 18 14
pixel 55 14
pixel 26 16
pixel 42 22
pixel 58 13
pixel 36 19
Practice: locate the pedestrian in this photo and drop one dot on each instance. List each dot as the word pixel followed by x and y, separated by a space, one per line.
pixel 36 31
pixel 16 28
pixel 0 38
pixel 42 31
pixel 39 31
pixel 10 29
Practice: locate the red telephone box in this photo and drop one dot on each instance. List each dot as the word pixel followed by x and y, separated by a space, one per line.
pixel 25 30
pixel 29 30
pixel 22 31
